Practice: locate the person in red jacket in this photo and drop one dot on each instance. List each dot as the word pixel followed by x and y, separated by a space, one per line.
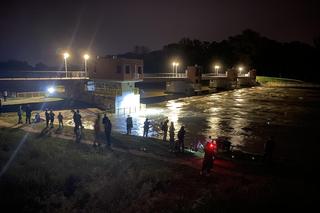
pixel 209 156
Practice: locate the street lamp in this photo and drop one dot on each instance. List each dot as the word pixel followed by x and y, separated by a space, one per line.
pixel 177 64
pixel 216 68
pixel 173 65
pixel 66 56
pixel 240 70
pixel 86 57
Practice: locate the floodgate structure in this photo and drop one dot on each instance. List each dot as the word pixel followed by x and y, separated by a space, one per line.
pixel 111 83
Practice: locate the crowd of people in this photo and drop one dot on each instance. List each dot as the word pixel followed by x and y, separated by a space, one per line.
pixel 174 145
pixel 176 139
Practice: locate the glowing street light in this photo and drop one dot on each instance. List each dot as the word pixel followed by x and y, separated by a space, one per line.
pixel 240 70
pixel 173 65
pixel 216 68
pixel 86 57
pixel 66 56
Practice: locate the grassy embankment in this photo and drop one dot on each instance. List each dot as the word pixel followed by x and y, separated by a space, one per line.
pixel 280 82
pixel 56 175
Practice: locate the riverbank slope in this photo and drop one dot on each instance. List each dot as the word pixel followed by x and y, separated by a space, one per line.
pixel 49 172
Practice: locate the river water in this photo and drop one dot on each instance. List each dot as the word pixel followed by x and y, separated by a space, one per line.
pixel 246 116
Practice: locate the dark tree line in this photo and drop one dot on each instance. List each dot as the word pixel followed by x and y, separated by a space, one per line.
pixel 249 49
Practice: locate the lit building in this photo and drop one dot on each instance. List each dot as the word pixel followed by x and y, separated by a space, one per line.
pixel 113 83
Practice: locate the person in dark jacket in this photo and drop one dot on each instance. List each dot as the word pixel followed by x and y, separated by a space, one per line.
pixel 181 135
pixel 146 127
pixel 165 130
pixel 77 121
pixel 207 163
pixel 28 114
pixel 129 124
pixel 107 129
pixel 78 117
pixel 60 119
pixel 51 114
pixel 19 113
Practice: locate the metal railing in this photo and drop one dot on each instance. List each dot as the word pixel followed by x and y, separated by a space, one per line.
pixel 38 75
pixel 165 75
pixel 214 74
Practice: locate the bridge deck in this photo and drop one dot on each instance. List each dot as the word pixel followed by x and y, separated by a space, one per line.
pixel 45 78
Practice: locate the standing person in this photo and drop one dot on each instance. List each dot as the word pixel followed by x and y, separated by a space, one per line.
pixel 171 136
pixel 165 130
pixel 181 134
pixel 146 127
pixel 47 115
pixel 79 118
pixel 74 121
pixel 129 124
pixel 19 113
pixel 107 129
pixel 207 163
pixel 60 119
pixel 5 95
pixel 28 114
pixel 77 121
pixel 51 114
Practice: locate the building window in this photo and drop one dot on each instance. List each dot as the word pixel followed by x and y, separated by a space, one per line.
pixel 127 69
pixel 139 70
pixel 119 69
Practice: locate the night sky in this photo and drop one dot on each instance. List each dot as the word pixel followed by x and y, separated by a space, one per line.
pixel 40 30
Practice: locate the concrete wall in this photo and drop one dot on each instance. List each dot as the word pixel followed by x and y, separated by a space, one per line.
pixel 182 87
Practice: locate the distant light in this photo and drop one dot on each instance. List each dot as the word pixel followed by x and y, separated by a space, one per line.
pixel 177 64
pixel 86 56
pixel 217 67
pixel 51 90
pixel 174 64
pixel 66 55
pixel 240 68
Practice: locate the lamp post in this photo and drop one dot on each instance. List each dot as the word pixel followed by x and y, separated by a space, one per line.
pixel 240 70
pixel 86 57
pixel 216 68
pixel 66 56
pixel 173 65
pixel 177 64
